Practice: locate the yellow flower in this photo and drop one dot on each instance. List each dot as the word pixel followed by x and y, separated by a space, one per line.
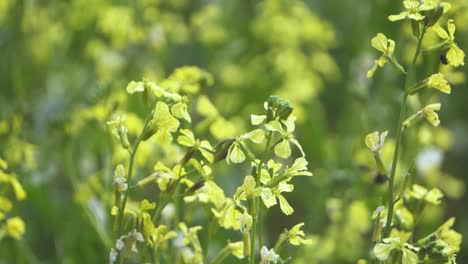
pixel 383 250
pixel 165 123
pixel 455 56
pixel 203 146
pixel 283 148
pixel 296 236
pixel 412 11
pixel 269 197
pixel 375 142
pixel 15 227
pixel 387 47
pixel 430 114
pixel 248 190
pixel 382 44
pixel 437 81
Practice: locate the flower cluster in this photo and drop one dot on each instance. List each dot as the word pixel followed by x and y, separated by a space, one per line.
pixel 188 177
pixel 396 221
pixel 12 226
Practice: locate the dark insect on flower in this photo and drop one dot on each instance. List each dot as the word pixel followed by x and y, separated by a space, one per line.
pixel 443 58
pixel 379 178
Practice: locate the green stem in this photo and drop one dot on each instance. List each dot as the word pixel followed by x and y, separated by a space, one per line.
pixel 125 194
pixel 160 206
pixel 253 212
pixel 280 242
pixel 129 176
pixel 276 180
pixel 211 232
pixel 155 255
pixel 260 207
pixel 409 77
pixel 259 224
pixel 224 253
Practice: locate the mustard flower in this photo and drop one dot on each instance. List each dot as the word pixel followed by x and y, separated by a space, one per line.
pixel 245 221
pixel 382 250
pixel 162 125
pixel 190 236
pixel 228 216
pixel 430 114
pixel 209 193
pixel 119 130
pixel 236 152
pixel 179 109
pixel 120 180
pixel 455 56
pixel 432 196
pixel 446 233
pixel 18 189
pixel 387 47
pixel 15 227
pixel 204 147
pixel 437 81
pixel 299 168
pixel 160 234
pixel 248 189
pixel 375 141
pixel 413 9
pixel 268 256
pixel 163 176
pixel 283 148
pixel 269 197
pixel 127 241
pixel 296 236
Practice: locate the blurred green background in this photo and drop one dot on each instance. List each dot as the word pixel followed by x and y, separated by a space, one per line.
pixel 64 66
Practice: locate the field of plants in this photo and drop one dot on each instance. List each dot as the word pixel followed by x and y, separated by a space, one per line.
pixel 249 131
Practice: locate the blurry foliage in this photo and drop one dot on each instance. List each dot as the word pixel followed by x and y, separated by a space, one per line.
pixel 64 66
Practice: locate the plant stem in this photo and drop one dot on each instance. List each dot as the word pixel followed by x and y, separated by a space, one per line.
pixel 260 207
pixel 125 194
pixel 222 255
pixel 408 80
pixel 129 176
pixel 260 225
pixel 253 212
pixel 280 242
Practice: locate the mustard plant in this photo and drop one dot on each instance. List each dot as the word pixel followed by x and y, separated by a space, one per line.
pixel 397 218
pixel 142 228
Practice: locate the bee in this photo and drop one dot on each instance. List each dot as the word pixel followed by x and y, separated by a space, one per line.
pixel 443 58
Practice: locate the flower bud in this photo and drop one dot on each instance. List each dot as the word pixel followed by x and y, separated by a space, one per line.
pixel 432 16
pixel 124 138
pixel 222 149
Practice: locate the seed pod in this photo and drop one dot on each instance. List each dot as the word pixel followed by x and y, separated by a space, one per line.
pixel 200 183
pixel 188 155
pixel 124 138
pixel 434 16
pixel 416 27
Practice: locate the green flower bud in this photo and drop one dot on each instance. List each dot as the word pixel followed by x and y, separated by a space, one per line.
pixel 432 16
pixel 222 149
pixel 124 138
